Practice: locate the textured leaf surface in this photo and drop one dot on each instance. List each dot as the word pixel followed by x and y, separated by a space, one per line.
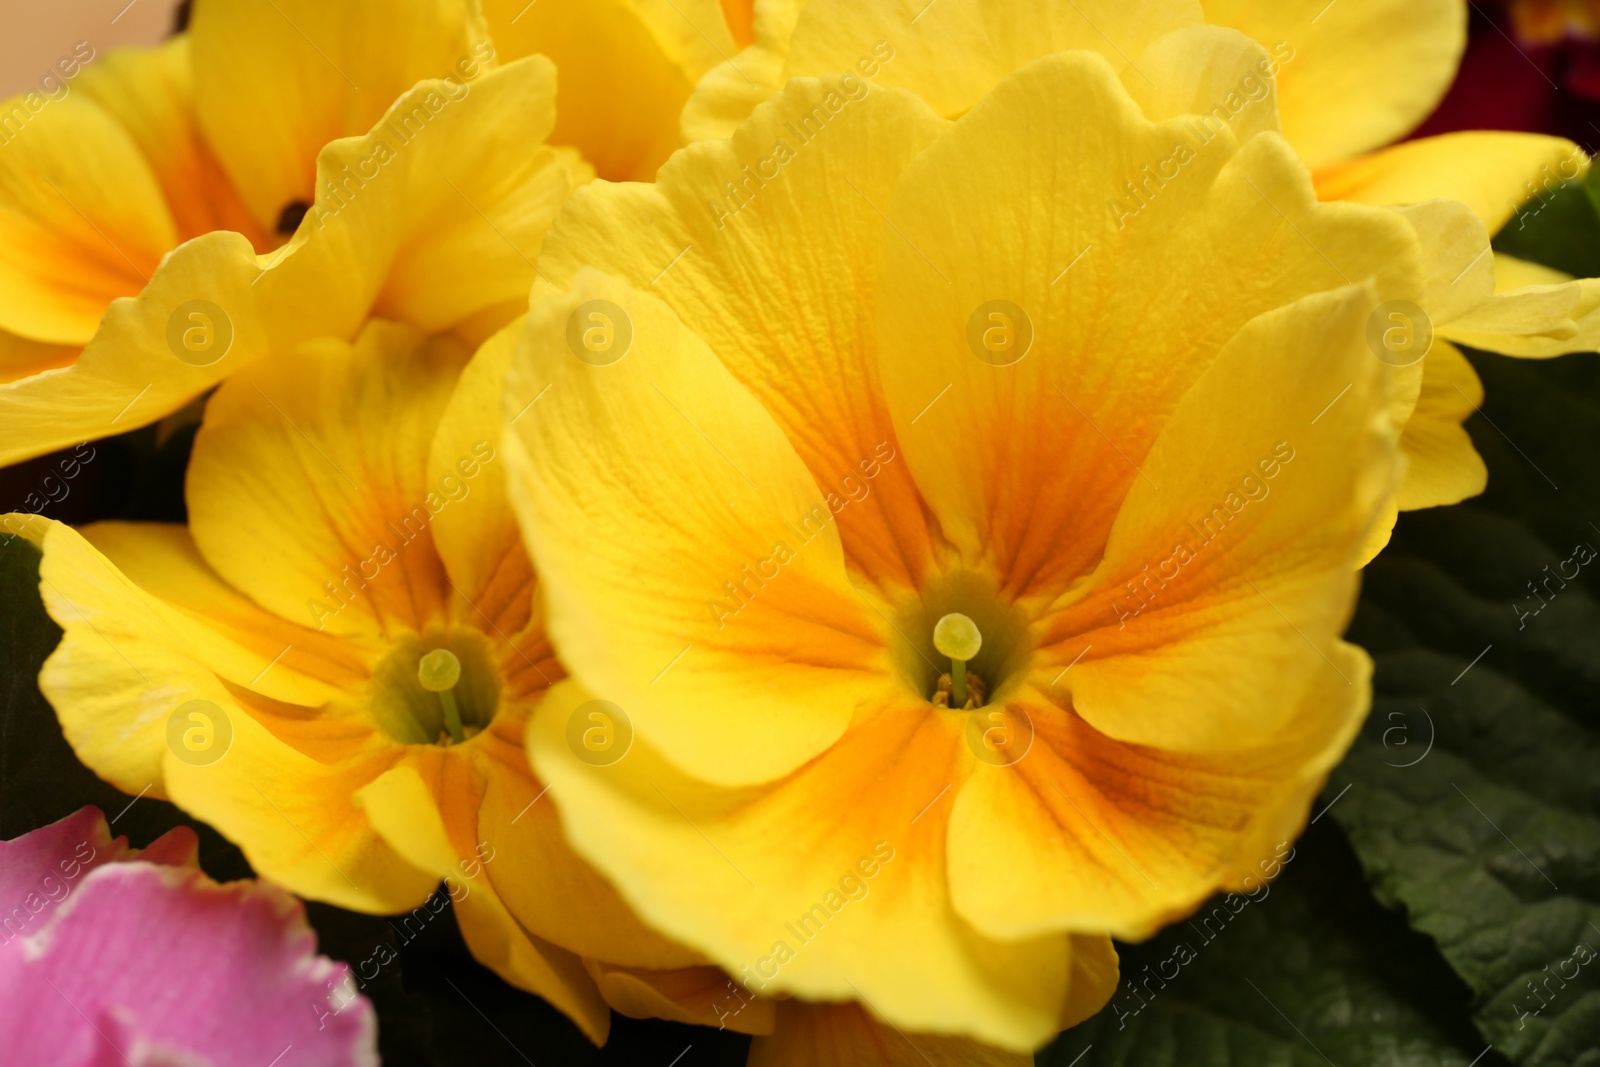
pixel 1473 794
pixel 1309 973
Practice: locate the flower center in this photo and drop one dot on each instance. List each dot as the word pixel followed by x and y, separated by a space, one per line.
pixel 438 688
pixel 958 637
pixel 967 642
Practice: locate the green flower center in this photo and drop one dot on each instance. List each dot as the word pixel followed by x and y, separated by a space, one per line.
pixel 439 688
pixel 965 640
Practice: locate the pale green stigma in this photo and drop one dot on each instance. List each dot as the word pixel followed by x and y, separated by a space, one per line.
pixel 439 671
pixel 957 636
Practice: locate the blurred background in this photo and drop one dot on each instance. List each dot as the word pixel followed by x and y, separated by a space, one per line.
pixel 36 34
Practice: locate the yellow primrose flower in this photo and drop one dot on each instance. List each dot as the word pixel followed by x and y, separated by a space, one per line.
pixel 333 663
pixel 335 639
pixel 627 68
pixel 861 368
pixel 1365 74
pixel 1347 78
pixel 276 173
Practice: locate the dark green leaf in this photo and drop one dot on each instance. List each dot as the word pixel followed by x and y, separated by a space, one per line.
pixel 1474 791
pixel 1559 227
pixel 1309 973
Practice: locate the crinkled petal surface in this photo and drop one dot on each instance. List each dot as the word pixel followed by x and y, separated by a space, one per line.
pixel 829 884
pixel 397 211
pixel 674 437
pixel 802 343
pixel 950 55
pixel 331 495
pixel 1050 442
pixel 39 870
pixel 153 964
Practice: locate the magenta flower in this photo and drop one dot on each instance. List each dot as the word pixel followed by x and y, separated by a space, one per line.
pixel 111 956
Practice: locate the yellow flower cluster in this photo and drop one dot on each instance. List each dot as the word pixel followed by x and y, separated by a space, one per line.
pixel 606 400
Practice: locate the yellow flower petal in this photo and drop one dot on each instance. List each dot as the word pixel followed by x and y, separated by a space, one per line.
pixel 1379 533
pixel 451 175
pixel 150 92
pixel 1513 273
pixel 82 222
pixel 276 82
pixel 816 167
pixel 725 97
pixel 477 536
pixel 406 813
pixel 399 211
pixel 22 358
pixel 827 1035
pixel 120 637
pixel 1354 76
pixel 343 515
pixel 1220 75
pixel 555 896
pixel 1492 172
pixel 1027 457
pixel 1535 321
pixel 1442 467
pixel 740 17
pixel 1458 281
pixel 1536 312
pixel 295 818
pixel 745 586
pixel 131 372
pixel 829 884
pixel 1166 606
pixel 162 561
pixel 1087 831
pixel 1458 265
pixel 950 55
pixel 501 943
pixel 627 67
pixel 700 996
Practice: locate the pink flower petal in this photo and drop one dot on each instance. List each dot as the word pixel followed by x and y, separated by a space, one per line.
pixel 40 869
pixel 147 965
